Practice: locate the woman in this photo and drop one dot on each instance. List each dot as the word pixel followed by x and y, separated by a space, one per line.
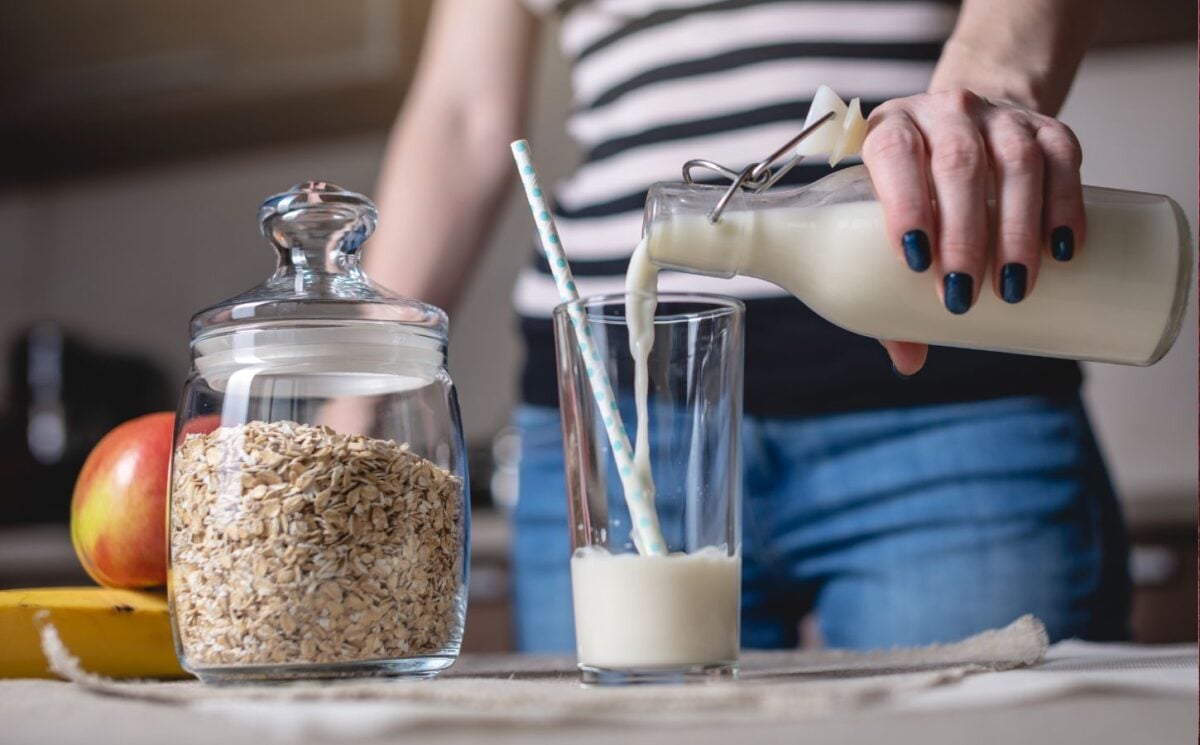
pixel 902 508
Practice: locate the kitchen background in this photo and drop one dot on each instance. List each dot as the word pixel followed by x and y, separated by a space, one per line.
pixel 137 139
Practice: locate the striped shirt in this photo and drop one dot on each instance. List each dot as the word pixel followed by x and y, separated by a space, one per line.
pixel 658 82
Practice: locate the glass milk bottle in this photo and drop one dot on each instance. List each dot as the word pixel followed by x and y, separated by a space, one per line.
pixel 1121 299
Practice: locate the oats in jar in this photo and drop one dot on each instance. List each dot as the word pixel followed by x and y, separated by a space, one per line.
pixel 293 543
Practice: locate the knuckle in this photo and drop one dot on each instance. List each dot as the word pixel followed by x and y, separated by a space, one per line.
pixel 887 143
pixel 1062 130
pixel 1061 145
pixel 1012 118
pixel 1019 239
pixel 958 251
pixel 906 210
pixel 955 156
pixel 1018 154
pixel 959 99
pixel 890 106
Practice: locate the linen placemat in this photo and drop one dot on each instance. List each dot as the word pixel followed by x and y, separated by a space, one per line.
pixel 528 690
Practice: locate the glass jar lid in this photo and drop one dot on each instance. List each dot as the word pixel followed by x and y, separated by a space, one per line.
pixel 318 230
pixel 318 308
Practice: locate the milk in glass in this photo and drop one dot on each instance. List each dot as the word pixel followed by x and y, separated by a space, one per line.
pixel 675 611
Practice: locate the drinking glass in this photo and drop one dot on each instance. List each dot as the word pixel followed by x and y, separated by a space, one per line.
pixel 670 617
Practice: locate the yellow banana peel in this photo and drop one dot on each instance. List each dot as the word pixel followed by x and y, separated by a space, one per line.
pixel 115 633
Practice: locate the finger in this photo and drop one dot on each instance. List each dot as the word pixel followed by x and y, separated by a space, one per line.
pixel 894 153
pixel 908 357
pixel 958 166
pixel 1017 164
pixel 1063 211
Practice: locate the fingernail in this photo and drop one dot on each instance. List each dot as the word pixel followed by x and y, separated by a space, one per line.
pixel 1062 243
pixel 959 288
pixel 916 250
pixel 1012 282
pixel 898 374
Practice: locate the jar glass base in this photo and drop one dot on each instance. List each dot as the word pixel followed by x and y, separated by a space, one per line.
pixel 411 667
pixel 702 673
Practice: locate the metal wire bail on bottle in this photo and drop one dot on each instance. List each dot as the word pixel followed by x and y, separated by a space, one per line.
pixel 756 177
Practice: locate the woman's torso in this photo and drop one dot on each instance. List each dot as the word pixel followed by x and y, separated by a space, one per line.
pixel 658 82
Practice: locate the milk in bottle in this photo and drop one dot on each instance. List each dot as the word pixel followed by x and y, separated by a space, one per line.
pixel 1121 299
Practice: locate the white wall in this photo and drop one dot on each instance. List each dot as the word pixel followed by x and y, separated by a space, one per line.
pixel 1135 113
pixel 127 258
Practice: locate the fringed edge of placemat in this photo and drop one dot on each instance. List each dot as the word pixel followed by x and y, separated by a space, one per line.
pixel 829 681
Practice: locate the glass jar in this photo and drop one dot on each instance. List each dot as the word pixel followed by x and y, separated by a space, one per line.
pixel 318 514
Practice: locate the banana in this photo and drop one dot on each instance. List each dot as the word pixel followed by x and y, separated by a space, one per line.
pixel 115 633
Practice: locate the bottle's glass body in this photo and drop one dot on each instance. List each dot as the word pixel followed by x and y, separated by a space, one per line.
pixel 1120 299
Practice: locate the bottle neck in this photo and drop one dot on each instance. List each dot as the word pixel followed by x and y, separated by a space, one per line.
pixel 679 234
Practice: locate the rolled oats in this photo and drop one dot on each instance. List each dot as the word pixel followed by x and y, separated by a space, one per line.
pixel 294 544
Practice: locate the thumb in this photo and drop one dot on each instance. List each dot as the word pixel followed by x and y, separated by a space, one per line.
pixel 907 357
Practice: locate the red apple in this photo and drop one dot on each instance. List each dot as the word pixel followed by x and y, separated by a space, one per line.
pixel 119 509
pixel 200 425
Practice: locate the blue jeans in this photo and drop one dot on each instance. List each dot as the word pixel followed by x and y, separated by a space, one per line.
pixel 897 527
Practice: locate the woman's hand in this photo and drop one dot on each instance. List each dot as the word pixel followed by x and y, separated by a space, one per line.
pixel 954 149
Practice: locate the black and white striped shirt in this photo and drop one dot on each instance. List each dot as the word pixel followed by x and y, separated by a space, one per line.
pixel 658 82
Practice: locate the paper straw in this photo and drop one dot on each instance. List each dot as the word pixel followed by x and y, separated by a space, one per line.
pixel 638 496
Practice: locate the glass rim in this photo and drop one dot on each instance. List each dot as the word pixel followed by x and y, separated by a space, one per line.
pixel 720 306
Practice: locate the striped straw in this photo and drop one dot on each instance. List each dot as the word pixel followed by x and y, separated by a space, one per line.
pixel 638 496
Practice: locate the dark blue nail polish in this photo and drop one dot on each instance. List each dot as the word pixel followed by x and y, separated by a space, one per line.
pixel 1012 282
pixel 898 374
pixel 959 288
pixel 916 250
pixel 1062 243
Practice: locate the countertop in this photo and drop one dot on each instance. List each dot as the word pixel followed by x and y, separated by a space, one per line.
pixel 1094 694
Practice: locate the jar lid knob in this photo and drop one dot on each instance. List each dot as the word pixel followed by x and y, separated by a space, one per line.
pixel 318 214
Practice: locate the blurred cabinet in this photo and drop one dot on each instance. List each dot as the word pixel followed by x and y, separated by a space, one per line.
pixel 1144 22
pixel 90 84
pixel 489 627
pixel 1163 567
